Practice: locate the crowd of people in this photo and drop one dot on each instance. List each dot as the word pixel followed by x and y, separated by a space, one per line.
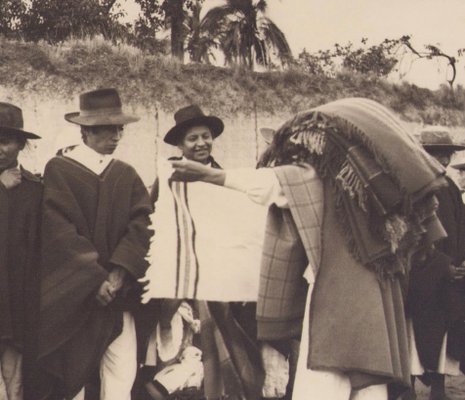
pixel 334 270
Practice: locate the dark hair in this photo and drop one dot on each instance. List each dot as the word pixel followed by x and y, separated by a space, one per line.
pixel 14 136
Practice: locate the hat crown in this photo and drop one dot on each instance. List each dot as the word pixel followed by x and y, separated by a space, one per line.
pixel 433 137
pixel 100 99
pixel 188 113
pixel 10 116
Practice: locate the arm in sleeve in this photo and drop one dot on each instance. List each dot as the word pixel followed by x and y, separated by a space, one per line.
pixel 260 185
pixel 132 248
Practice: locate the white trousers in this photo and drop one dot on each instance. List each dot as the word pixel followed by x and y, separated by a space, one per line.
pixel 11 384
pixel 118 366
pixel 446 364
pixel 326 385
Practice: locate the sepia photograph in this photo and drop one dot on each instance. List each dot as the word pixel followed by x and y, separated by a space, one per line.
pixel 232 200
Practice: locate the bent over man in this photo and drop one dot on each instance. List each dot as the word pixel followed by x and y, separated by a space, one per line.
pixel 94 239
pixel 350 199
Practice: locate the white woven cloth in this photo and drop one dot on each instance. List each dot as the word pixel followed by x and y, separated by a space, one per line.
pixel 207 244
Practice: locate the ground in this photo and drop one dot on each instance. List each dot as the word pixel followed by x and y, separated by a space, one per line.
pixel 455 389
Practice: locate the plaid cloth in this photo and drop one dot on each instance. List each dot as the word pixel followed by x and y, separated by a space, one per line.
pixel 292 241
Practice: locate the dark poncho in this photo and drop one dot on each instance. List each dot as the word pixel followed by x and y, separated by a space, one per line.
pixel 90 223
pixel 19 268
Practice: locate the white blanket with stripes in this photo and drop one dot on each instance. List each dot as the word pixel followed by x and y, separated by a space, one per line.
pixel 207 243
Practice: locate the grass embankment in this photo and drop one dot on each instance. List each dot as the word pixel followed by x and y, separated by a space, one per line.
pixel 77 65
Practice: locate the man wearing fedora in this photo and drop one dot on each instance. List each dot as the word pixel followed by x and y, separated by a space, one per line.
pixel 20 196
pixel 231 359
pixel 436 294
pixel 94 240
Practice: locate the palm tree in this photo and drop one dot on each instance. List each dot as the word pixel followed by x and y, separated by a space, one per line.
pixel 245 35
pixel 199 42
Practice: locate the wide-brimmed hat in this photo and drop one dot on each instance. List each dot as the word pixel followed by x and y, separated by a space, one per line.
pixel 438 138
pixel 191 116
pixel 100 107
pixel 459 166
pixel 11 121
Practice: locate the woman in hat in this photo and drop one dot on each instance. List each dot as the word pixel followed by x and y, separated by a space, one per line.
pixel 196 266
pixel 20 196
pixel 436 294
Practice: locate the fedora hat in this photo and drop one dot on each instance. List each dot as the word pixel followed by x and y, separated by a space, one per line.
pixel 438 138
pixel 100 107
pixel 189 116
pixel 11 121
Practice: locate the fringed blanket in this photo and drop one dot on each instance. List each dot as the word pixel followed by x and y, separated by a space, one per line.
pixel 207 244
pixel 378 206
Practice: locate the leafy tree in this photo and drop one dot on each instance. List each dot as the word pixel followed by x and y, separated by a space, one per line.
pixel 431 51
pixel 379 59
pixel 57 20
pixel 11 14
pixel 199 42
pixel 159 14
pixel 244 34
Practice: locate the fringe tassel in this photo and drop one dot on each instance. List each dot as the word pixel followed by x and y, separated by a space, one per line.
pixel 351 183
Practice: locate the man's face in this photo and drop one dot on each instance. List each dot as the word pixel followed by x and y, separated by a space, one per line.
pixel 443 156
pixel 104 139
pixel 197 143
pixel 10 146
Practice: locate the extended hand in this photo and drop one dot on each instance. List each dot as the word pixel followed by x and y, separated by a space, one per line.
pixel 191 171
pixel 10 178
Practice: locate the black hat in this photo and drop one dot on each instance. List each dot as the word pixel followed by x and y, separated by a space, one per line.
pixel 11 121
pixel 100 107
pixel 192 116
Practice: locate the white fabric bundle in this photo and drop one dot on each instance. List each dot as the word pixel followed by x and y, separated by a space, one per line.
pixel 221 235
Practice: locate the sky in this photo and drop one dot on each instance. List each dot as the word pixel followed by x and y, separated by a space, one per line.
pixel 319 24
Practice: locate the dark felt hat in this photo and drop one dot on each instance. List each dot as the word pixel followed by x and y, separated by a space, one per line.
pixel 11 121
pixel 100 107
pixel 438 138
pixel 192 116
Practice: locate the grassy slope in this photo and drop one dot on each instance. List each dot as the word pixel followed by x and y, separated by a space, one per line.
pixel 67 69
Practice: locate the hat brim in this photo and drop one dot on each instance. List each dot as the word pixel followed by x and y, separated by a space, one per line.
pixel 175 134
pixel 450 147
pixel 96 120
pixel 460 166
pixel 19 132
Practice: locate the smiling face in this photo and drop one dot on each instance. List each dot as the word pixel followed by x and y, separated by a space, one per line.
pixel 197 143
pixel 103 139
pixel 10 146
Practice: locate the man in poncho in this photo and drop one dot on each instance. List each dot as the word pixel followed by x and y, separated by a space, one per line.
pixel 94 240
pixel 350 195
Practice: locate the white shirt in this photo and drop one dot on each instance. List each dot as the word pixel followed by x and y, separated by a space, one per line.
pixel 88 157
pixel 261 185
